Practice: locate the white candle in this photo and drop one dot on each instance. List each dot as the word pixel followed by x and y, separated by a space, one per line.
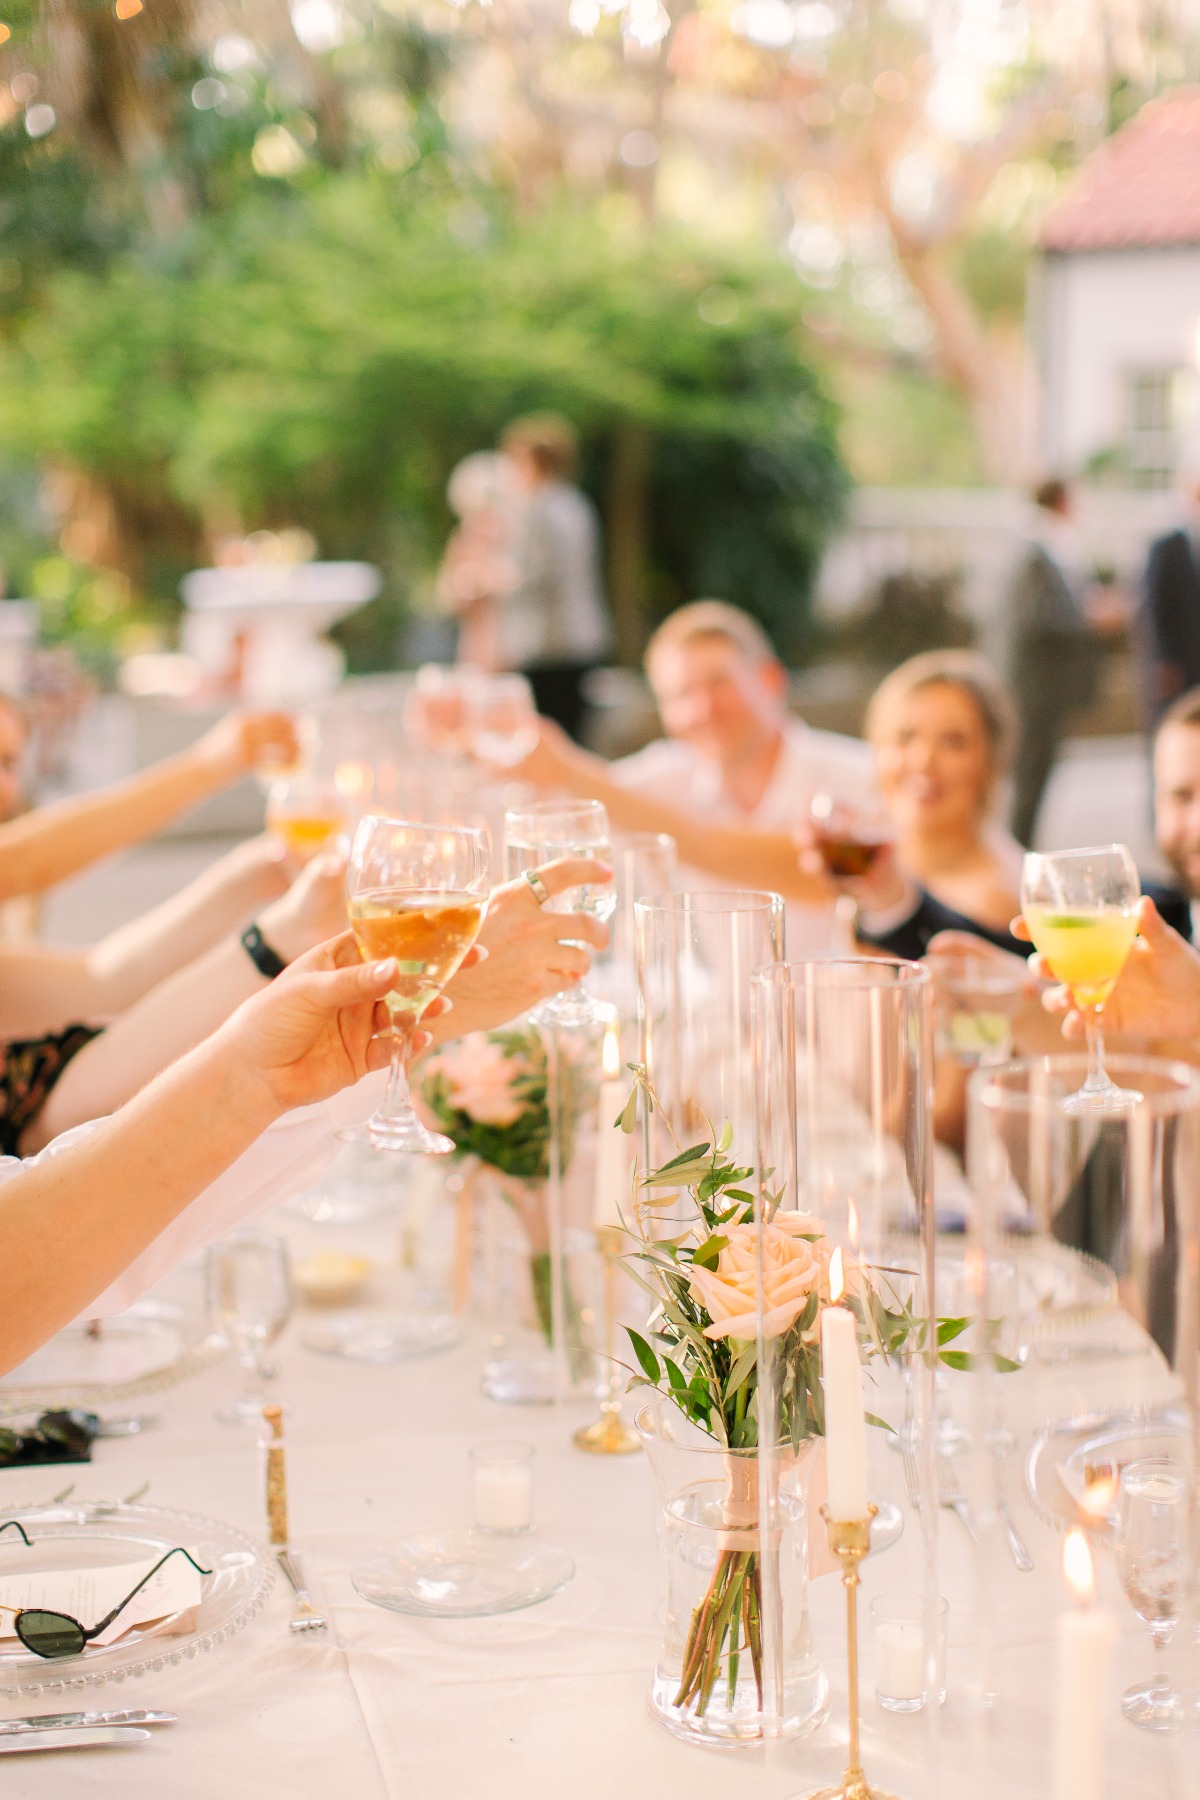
pixel 1084 1640
pixel 503 1495
pixel 900 1660
pixel 614 1149
pixel 845 1427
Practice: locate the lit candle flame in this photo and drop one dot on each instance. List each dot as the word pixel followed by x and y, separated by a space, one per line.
pixel 352 778
pixel 611 1054
pixel 1077 1567
pixel 837 1280
pixel 1099 1495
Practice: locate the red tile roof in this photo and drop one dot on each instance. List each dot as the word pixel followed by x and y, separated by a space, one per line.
pixel 1141 188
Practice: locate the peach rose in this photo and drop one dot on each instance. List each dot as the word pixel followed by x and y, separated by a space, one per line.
pixel 793 1268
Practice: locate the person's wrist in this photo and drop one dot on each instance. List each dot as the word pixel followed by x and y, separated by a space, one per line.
pixel 243 1094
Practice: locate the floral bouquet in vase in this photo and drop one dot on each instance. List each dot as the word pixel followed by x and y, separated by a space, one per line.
pixel 696 1252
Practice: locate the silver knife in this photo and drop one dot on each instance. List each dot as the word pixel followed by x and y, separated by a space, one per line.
pixel 72 1740
pixel 77 1720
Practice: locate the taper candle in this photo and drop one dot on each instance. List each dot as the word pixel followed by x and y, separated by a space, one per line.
pixel 845 1426
pixel 614 1149
pixel 1084 1639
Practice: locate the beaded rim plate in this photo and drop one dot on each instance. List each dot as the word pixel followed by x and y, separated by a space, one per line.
pixel 152 1345
pixel 1100 1442
pixel 242 1579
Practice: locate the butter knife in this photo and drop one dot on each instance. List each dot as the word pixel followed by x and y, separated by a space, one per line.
pixel 72 1740
pixel 83 1720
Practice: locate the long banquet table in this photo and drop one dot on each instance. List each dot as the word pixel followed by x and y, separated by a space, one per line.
pixel 550 1701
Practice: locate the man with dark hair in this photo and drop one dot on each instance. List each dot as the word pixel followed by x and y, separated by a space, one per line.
pixel 554 625
pixel 1168 623
pixel 1053 655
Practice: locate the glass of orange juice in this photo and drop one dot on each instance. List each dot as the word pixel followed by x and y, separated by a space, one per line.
pixel 305 814
pixel 1081 910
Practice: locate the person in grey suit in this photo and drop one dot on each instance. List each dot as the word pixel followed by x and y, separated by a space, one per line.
pixel 554 624
pixel 1053 652
pixel 1168 622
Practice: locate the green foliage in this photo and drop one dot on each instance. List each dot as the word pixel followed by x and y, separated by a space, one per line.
pixel 328 360
pixel 520 1149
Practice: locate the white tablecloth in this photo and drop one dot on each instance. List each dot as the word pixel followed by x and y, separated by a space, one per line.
pixel 549 1702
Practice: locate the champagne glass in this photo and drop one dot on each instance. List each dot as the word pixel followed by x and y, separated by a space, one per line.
pixel 541 833
pixel 501 719
pixel 418 893
pixel 305 814
pixel 250 1299
pixel 1081 910
pixel 1152 1523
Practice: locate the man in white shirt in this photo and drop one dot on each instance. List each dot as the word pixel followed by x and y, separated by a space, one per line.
pixel 732 751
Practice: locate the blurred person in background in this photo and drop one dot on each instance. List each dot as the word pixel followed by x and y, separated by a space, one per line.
pixel 1168 622
pixel 733 778
pixel 1052 652
pixel 478 571
pixel 553 624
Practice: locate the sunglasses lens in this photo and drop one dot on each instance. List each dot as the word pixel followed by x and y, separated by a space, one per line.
pixel 50 1634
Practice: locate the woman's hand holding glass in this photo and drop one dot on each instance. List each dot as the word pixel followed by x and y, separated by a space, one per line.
pixel 1157 994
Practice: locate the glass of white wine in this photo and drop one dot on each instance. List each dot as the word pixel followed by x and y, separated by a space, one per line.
pixel 1081 910
pixel 418 893
pixel 541 833
pixel 305 814
pixel 1152 1526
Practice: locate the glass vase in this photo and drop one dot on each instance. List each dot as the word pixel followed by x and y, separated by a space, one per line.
pixel 708 1681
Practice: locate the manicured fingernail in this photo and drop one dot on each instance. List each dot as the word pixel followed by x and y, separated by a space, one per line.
pixel 386 969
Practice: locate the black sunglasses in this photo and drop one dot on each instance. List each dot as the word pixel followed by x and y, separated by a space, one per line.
pixel 52 1634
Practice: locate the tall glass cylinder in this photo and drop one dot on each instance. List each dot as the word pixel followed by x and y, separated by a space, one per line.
pixel 1082 1291
pixel 696 955
pixel 843 1150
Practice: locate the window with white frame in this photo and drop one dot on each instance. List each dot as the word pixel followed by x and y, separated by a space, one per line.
pixel 1151 437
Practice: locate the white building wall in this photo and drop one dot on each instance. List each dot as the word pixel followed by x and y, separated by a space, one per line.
pixel 1101 315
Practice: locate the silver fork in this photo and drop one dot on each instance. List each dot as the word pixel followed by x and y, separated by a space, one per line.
pixel 306 1616
pixel 951 1495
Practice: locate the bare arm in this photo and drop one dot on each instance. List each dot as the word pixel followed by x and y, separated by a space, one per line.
pixel 523 963
pixel 70 1224
pixel 44 987
pixel 54 842
pixel 755 859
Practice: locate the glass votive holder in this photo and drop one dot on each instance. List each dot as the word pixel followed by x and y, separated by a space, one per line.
pixel 898 1628
pixel 502 1487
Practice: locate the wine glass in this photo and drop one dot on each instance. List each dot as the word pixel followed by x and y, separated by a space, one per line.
pixel 305 814
pixel 250 1299
pixel 541 833
pixel 435 712
pixel 1152 1524
pixel 501 719
pixel 1081 910
pixel 417 893
pixel 849 836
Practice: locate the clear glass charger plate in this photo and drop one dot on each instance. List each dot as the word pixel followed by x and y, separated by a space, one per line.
pixel 153 1345
pixel 63 1537
pixel 1059 1286
pixel 463 1575
pixel 1068 1457
pixel 384 1338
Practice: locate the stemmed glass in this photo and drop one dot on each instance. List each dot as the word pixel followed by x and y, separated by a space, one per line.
pixel 1081 910
pixel 418 893
pixel 1152 1523
pixel 305 814
pixel 849 836
pixel 250 1299
pixel 501 719
pixel 542 833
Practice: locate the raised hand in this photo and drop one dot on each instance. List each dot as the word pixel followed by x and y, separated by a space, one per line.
pixel 1157 994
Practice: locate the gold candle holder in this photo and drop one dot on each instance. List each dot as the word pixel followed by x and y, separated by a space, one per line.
pixel 277 1517
pixel 850 1540
pixel 609 1436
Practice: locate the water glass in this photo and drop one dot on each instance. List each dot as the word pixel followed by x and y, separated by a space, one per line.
pixel 1152 1520
pixel 544 832
pixel 248 1283
pixel 501 720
